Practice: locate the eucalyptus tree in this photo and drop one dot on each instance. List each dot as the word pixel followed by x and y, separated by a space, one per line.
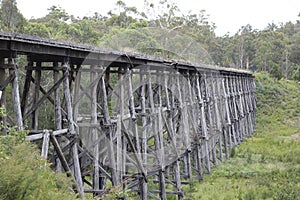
pixel 10 17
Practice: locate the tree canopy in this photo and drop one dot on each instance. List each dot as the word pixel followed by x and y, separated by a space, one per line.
pixel 275 49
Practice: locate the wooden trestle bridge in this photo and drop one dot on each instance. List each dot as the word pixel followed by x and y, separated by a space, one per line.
pixel 119 121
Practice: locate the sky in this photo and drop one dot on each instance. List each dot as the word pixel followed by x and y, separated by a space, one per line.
pixel 228 15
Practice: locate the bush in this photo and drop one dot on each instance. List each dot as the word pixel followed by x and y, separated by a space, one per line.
pixel 24 174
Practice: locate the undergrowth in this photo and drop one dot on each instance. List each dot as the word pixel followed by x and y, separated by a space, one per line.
pixel 267 165
pixel 24 174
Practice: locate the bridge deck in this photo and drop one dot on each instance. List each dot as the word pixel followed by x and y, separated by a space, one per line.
pixel 48 50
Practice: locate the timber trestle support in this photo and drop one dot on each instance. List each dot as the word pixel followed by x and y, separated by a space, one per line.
pixel 123 122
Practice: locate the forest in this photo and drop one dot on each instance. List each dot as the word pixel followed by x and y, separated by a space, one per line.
pixel 275 49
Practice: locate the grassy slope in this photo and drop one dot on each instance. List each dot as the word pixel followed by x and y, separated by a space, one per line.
pixel 266 166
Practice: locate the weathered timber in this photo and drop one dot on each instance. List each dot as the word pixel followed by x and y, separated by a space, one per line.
pixel 123 120
pixel 16 95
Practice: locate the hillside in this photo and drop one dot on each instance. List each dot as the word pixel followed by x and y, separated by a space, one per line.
pixel 266 166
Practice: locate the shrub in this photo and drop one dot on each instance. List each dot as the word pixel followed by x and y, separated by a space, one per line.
pixel 24 174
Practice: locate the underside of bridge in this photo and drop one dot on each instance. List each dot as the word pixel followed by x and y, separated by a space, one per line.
pixel 115 121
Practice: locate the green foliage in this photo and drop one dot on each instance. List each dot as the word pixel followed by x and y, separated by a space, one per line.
pixel 37 29
pixel 296 73
pixel 274 49
pixel 11 18
pixel 267 165
pixel 24 174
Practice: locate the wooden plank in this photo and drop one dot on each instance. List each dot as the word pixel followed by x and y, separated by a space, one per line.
pixel 39 135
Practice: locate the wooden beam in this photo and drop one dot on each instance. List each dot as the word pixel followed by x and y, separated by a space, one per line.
pixel 16 96
pixel 35 117
pixel 26 90
pixel 96 175
pixel 57 109
pixel 73 133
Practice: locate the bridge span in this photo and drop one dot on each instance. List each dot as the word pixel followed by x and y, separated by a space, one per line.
pixel 119 121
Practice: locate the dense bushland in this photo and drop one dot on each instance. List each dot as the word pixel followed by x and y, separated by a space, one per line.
pixel 24 174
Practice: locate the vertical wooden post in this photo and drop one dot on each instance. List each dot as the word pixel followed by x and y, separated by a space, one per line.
pixel 58 116
pixel 241 107
pixel 155 126
pixel 227 120
pixel 216 112
pixel 3 93
pixel 193 107
pixel 26 89
pixel 176 166
pixel 190 111
pixel 144 186
pixel 210 100
pixel 234 111
pixel 16 96
pixel 94 133
pixel 203 121
pixel 161 138
pixel 72 132
pixel 120 156
pixel 132 111
pixel 232 133
pixel 202 126
pixel 35 113
pixel 181 90
pixel 220 108
pixel 250 104
pixel 107 129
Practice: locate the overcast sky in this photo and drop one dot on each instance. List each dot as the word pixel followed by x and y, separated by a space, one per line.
pixel 228 15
